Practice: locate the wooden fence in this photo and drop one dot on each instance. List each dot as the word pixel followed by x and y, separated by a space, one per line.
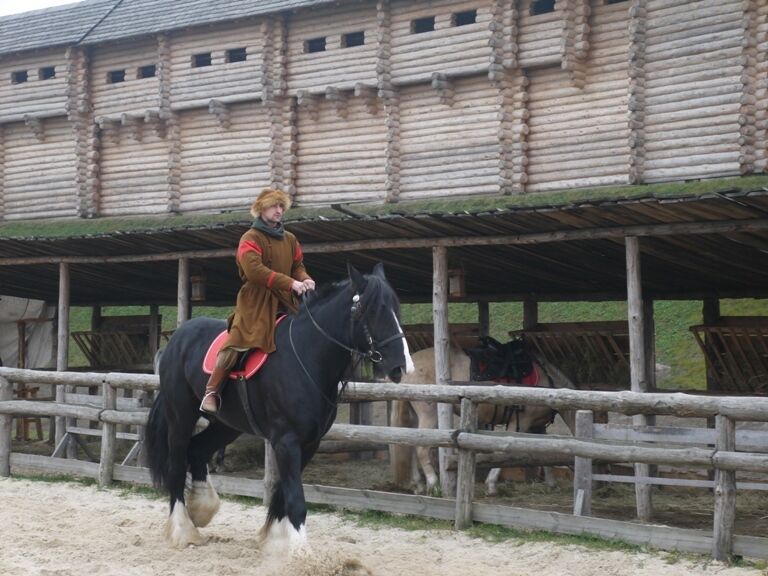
pixel 723 458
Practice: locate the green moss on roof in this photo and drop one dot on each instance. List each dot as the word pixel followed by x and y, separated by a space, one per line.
pixel 52 229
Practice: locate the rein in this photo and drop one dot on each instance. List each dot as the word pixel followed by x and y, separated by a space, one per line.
pixel 357 355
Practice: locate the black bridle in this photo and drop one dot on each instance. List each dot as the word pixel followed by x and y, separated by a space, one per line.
pixel 372 353
pixel 357 355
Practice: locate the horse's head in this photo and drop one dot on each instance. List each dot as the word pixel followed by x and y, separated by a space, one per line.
pixel 376 313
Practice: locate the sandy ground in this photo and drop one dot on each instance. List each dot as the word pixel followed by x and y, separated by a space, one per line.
pixel 55 529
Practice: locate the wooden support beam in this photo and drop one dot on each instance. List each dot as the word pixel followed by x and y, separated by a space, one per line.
pixel 484 318
pixel 638 363
pixel 62 341
pixel 442 358
pixel 182 295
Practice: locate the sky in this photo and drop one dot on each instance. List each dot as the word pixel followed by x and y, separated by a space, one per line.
pixel 16 6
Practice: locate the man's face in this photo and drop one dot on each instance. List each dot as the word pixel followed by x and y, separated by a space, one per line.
pixel 273 215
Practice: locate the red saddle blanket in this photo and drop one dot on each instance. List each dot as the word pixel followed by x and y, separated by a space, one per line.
pixel 532 379
pixel 254 361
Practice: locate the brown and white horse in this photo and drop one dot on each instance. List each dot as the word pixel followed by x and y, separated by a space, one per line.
pixel 408 464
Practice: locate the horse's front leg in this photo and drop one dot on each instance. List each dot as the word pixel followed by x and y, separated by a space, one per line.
pixel 288 506
pixel 491 481
pixel 427 414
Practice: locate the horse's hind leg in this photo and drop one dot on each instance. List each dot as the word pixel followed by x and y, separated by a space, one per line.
pixel 180 531
pixel 202 499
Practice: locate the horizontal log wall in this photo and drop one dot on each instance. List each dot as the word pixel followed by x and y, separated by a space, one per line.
pixel 579 136
pixel 35 96
pixel 339 66
pixel 197 85
pixel 672 89
pixel 539 37
pixel 693 88
pixel 38 175
pixel 449 147
pixel 134 172
pixel 448 49
pixel 761 84
pixel 133 96
pixel 223 166
pixel 341 150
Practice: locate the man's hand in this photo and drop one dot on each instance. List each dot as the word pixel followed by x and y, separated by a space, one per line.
pixel 309 284
pixel 298 287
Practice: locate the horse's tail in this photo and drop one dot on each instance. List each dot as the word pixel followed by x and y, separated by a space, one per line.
pixel 401 457
pixel 156 442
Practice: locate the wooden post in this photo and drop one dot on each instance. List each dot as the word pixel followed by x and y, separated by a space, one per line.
pixel 465 483
pixel 108 437
pixel 649 333
pixel 62 344
pixel 182 296
pixel 638 363
pixel 530 319
pixel 582 467
pixel 154 329
pixel 725 492
pixel 271 473
pixel 442 359
pixel 710 313
pixel 530 314
pixel 6 393
pixel 484 318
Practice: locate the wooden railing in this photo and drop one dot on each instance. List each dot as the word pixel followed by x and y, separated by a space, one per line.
pixel 723 458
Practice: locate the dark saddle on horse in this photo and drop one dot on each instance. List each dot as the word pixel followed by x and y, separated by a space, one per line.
pixel 494 361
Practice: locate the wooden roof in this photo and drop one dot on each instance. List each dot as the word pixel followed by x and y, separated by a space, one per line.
pixel 50 27
pixel 94 21
pixel 714 245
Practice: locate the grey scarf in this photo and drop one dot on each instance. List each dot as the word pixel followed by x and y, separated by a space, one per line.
pixel 277 232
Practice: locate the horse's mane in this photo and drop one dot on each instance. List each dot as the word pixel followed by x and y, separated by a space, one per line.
pixel 375 289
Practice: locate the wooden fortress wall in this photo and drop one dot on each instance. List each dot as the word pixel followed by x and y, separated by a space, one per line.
pixel 387 100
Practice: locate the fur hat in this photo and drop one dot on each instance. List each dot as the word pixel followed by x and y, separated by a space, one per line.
pixel 270 197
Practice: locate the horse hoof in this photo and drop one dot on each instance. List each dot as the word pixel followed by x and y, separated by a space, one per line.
pixel 203 503
pixel 180 532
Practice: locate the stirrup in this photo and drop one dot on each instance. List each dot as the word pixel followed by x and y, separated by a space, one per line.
pixel 216 399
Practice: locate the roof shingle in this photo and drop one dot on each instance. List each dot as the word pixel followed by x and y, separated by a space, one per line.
pixel 95 21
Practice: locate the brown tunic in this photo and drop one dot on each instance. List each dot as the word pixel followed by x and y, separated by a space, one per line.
pixel 267 266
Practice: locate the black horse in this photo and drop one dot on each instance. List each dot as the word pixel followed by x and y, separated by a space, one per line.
pixel 291 401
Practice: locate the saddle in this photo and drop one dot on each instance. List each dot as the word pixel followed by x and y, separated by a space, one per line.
pixel 504 363
pixel 247 365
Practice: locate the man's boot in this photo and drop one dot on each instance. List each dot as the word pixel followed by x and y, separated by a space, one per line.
pixel 212 399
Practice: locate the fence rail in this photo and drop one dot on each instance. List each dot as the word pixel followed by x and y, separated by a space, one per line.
pixel 723 457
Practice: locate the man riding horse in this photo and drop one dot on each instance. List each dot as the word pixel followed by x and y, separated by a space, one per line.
pixel 271 266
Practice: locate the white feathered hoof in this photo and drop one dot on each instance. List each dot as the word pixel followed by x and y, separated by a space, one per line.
pixel 203 503
pixel 180 532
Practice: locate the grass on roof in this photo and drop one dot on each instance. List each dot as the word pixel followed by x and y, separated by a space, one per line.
pixel 37 229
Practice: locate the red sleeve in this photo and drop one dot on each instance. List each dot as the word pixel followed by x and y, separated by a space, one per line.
pixel 246 246
pixel 249 254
